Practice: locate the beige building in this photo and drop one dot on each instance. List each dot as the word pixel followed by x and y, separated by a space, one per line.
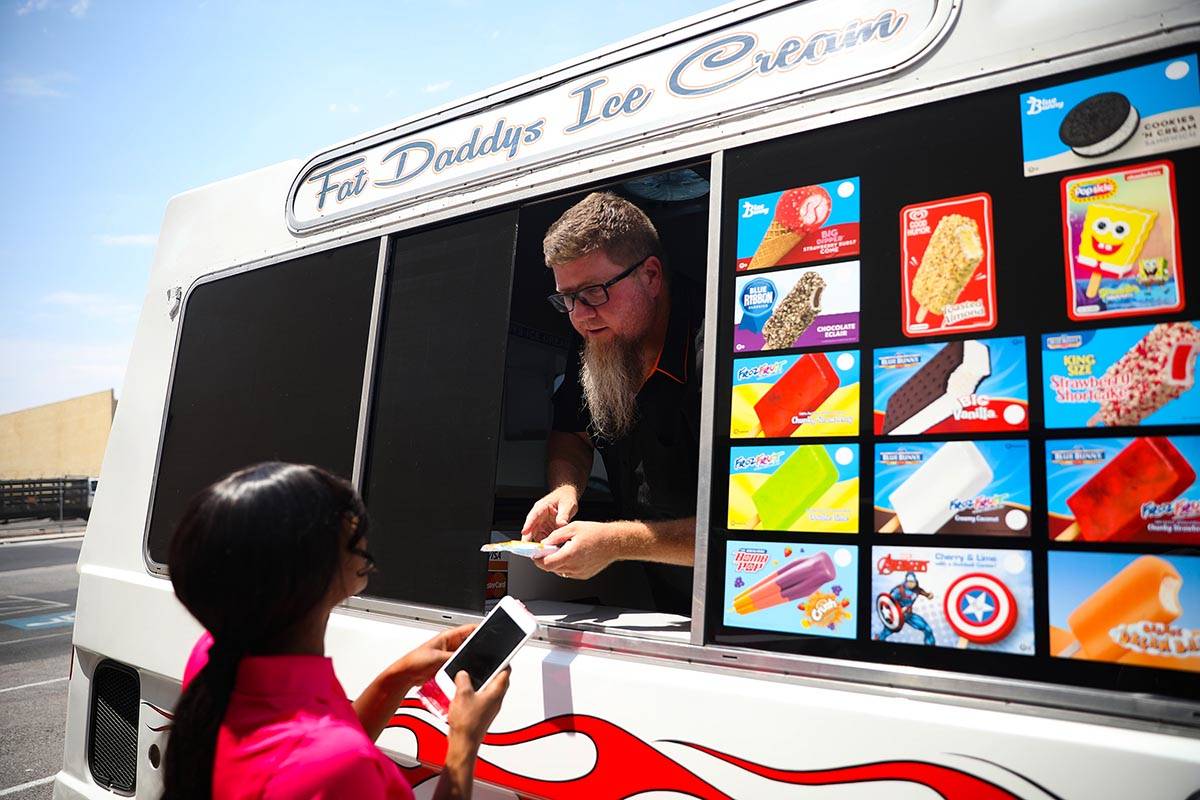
pixel 59 439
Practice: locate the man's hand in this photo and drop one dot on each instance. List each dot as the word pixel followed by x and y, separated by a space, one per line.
pixel 584 549
pixel 551 513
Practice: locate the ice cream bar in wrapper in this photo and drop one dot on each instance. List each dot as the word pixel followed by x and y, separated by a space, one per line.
pixel 517 547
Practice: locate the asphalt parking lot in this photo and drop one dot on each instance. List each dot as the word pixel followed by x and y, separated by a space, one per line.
pixel 38 585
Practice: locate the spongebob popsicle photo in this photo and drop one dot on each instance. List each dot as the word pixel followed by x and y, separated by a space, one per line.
pixel 1122 246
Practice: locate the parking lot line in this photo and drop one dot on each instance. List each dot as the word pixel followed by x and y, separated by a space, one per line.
pixel 34 638
pixel 23 786
pixel 31 685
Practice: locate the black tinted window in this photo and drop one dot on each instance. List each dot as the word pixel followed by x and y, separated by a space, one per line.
pixel 436 413
pixel 270 366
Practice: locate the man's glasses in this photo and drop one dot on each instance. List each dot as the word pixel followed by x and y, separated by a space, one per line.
pixel 590 296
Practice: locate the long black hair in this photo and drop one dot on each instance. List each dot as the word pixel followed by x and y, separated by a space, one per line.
pixel 253 556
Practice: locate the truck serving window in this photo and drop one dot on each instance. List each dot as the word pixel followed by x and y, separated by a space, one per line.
pixel 269 366
pixel 942 396
pixel 470 354
pixel 541 342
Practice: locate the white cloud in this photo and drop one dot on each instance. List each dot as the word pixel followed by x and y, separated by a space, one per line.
pixel 441 86
pixel 344 108
pixel 39 372
pixel 92 306
pixel 36 85
pixel 29 6
pixel 77 9
pixel 495 35
pixel 128 239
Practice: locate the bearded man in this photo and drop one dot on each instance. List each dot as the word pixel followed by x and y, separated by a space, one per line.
pixel 632 393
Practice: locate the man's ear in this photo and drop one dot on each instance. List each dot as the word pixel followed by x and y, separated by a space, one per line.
pixel 652 271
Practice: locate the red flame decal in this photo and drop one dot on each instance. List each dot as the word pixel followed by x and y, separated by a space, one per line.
pixel 950 783
pixel 626 765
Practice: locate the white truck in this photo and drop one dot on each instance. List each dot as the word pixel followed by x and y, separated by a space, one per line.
pixel 379 309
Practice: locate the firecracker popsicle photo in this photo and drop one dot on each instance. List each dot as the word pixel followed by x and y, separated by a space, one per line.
pixel 1124 608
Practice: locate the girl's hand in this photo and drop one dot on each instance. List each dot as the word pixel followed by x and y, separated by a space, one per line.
pixel 471 712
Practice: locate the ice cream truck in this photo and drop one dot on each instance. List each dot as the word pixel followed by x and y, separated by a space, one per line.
pixel 947 509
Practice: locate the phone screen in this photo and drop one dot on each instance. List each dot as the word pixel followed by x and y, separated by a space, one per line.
pixel 492 643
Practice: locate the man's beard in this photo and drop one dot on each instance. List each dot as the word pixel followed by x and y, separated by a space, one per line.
pixel 611 376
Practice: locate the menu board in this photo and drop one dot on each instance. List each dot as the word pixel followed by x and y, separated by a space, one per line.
pixel 957 365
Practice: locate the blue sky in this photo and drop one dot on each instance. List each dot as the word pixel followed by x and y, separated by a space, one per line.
pixel 107 109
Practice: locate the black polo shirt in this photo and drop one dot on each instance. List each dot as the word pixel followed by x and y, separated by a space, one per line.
pixel 653 470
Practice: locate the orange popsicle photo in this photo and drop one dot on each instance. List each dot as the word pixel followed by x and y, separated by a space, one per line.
pixel 1145 591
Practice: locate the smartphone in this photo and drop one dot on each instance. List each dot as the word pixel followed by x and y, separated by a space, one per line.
pixel 485 653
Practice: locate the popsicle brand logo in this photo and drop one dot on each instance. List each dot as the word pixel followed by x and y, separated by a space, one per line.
pixel 753 209
pixel 1077 457
pixel 1036 105
pixel 980 504
pixel 1157 639
pixel 1065 341
pixel 826 609
pixel 918 223
pixel 758 297
pixel 1080 365
pixel 899 361
pixel 901 458
pixel 759 461
pixel 1088 191
pixel 1176 509
pixel 887 565
pixel 750 560
pixel 767 370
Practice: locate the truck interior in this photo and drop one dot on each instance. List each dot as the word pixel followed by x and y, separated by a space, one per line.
pixel 676 201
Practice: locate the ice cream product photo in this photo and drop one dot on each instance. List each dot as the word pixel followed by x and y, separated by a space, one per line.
pixel 947 269
pixel 792 588
pixel 811 487
pixel 964 488
pixel 964 598
pixel 1134 610
pixel 807 395
pixel 1121 238
pixel 1124 490
pixel 965 386
pixel 1127 114
pixel 1136 375
pixel 801 225
pixel 804 307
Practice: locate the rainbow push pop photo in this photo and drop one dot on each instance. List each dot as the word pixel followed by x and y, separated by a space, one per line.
pixel 791 588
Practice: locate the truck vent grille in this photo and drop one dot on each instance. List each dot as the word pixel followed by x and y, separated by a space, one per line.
pixel 112 739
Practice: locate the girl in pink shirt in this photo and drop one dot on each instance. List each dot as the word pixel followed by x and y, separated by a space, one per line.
pixel 260 559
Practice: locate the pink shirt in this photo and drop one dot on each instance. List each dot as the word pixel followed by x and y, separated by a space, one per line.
pixel 290 732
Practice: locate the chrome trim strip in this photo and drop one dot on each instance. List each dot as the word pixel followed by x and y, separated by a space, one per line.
pixel 707 397
pixel 1055 701
pixel 368 381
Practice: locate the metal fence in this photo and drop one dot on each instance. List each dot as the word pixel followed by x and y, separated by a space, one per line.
pixel 44 498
